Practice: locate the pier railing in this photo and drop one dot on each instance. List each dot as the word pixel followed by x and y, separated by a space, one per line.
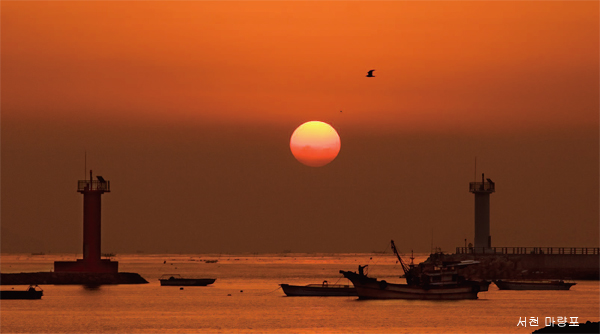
pixel 529 250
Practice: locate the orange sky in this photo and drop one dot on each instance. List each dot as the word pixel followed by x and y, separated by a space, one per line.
pixel 441 65
pixel 188 108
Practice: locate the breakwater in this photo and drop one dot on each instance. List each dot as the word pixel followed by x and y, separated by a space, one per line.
pixel 525 266
pixel 71 278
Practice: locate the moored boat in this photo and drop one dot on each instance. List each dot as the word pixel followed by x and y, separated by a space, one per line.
pixel 533 285
pixel 33 292
pixel 372 288
pixel 177 280
pixel 443 283
pixel 319 290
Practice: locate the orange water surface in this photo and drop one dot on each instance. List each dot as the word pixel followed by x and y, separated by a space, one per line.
pixel 246 298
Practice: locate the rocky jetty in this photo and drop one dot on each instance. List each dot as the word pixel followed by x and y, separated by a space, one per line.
pixel 71 278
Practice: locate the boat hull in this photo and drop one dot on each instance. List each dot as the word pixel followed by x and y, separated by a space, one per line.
pixel 533 285
pixel 484 285
pixel 187 282
pixel 371 288
pixel 318 291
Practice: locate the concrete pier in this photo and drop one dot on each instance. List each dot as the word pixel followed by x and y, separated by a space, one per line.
pixel 71 278
pixel 527 266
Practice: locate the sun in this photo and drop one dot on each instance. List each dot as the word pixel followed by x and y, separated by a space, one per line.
pixel 315 143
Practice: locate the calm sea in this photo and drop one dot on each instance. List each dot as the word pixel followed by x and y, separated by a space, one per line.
pixel 246 298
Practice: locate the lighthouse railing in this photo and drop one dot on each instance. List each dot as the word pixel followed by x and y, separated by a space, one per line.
pixel 482 186
pixel 87 185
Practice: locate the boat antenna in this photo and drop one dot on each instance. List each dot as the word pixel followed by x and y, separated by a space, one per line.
pixel 431 248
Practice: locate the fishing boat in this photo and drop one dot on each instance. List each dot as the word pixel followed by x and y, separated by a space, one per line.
pixel 533 285
pixel 443 283
pixel 177 280
pixel 33 292
pixel 319 290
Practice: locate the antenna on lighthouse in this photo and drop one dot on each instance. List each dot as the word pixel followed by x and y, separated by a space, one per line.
pixel 475 172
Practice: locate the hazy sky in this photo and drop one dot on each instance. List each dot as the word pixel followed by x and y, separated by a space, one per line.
pixel 188 108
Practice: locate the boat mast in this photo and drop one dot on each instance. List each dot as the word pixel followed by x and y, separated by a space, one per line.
pixel 404 266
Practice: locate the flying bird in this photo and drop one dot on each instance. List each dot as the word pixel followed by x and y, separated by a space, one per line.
pixel 370 75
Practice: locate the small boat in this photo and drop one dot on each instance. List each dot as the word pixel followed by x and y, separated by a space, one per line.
pixel 533 285
pixel 444 283
pixel 319 290
pixel 177 280
pixel 33 292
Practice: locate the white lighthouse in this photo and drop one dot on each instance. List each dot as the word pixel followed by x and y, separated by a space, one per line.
pixel 482 191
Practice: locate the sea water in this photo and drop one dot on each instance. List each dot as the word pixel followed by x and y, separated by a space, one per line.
pixel 246 298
